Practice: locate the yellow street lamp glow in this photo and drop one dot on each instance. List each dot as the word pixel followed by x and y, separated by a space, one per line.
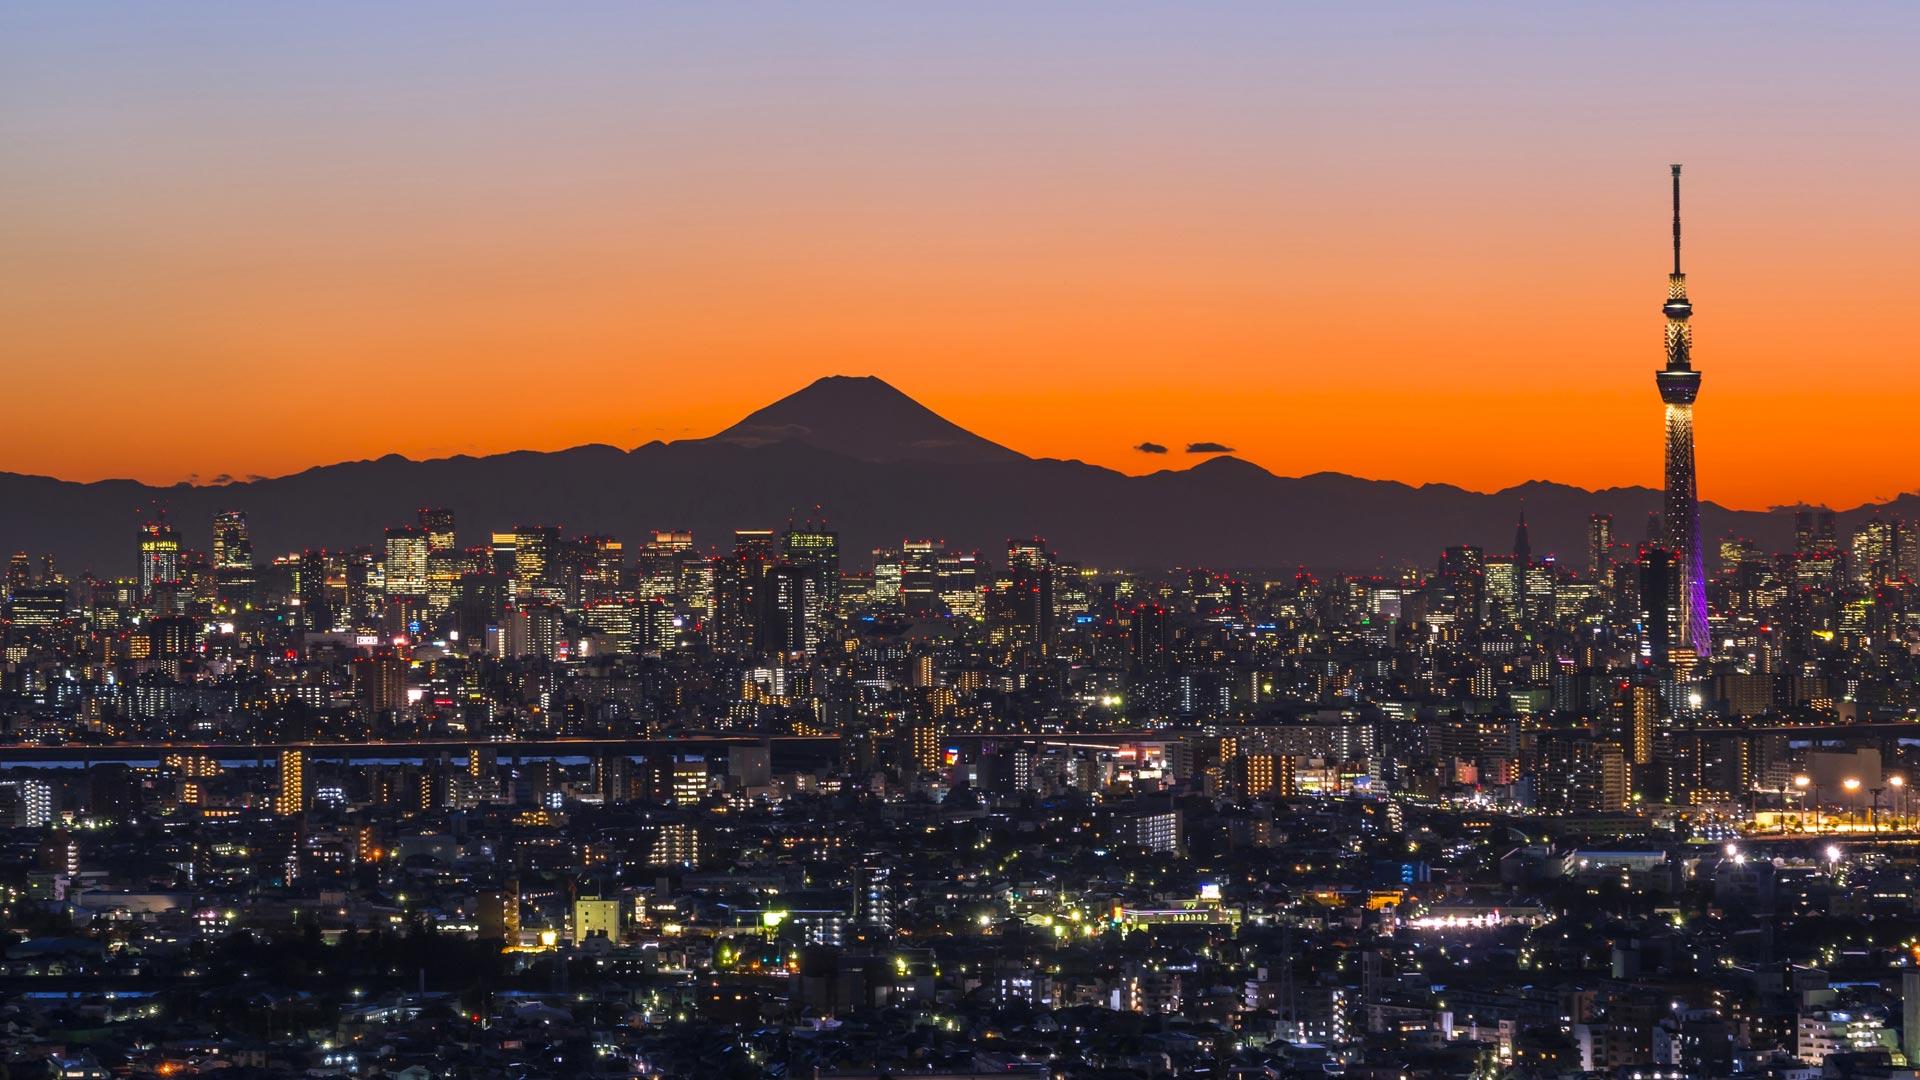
pixel 1851 783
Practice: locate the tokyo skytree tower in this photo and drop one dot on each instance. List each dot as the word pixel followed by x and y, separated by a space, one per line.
pixel 1679 386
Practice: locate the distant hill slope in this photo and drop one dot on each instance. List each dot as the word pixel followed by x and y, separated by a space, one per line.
pixel 881 467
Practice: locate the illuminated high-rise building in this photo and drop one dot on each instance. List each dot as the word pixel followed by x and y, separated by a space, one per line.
pixel 19 573
pixel 159 558
pixel 959 577
pixel 599 570
pixel 292 798
pixel 26 802
pixel 1540 587
pixel 438 523
pixel 1463 575
pixel 1875 552
pixel 1599 546
pixel 920 576
pixel 380 681
pixel 1505 577
pixel 663 566
pixel 816 550
pixel 1813 532
pixel 232 550
pixel 1031 568
pixel 234 578
pixel 737 594
pixel 792 605
pixel 1658 617
pixel 406 562
pixel 1679 386
pixel 536 551
pixel 886 577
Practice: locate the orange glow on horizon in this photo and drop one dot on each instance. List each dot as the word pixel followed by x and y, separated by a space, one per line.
pixel 1334 238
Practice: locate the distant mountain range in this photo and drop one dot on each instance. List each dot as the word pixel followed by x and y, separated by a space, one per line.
pixel 879 466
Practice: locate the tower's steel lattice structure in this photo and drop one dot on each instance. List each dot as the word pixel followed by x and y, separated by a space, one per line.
pixel 1679 386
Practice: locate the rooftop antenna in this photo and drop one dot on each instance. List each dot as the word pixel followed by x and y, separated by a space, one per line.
pixel 1676 220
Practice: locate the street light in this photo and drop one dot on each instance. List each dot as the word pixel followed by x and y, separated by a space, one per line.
pixel 1852 784
pixel 1899 804
pixel 1801 782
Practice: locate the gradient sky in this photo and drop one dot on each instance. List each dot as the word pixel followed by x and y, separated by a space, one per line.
pixel 1422 242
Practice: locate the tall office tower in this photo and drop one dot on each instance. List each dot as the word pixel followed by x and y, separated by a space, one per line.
pixel 1813 532
pixel 159 558
pixel 602 570
pixel 1522 561
pixel 792 608
pixel 536 556
pixel 1659 613
pixel 920 576
pixel 502 550
pixel 1735 552
pixel 1505 577
pixel 958 577
pixel 1599 546
pixel 1540 590
pixel 1463 576
pixel 406 561
pixel 1031 567
pixel 886 577
pixel 19 573
pixel 438 522
pixel 444 571
pixel 1149 641
pixel 1679 386
pixel 737 592
pixel 232 550
pixel 662 565
pixel 1874 552
pixel 817 550
pixel 309 569
pixel 233 574
pixel 292 798
pixel 755 542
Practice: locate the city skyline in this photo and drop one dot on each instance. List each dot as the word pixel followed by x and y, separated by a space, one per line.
pixel 1075 541
pixel 260 234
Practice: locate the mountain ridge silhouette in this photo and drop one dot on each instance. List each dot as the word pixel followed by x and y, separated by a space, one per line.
pixel 881 467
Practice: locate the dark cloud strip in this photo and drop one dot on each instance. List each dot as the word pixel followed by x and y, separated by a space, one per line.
pixel 1208 448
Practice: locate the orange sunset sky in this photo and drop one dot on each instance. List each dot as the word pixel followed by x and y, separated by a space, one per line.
pixel 1417 242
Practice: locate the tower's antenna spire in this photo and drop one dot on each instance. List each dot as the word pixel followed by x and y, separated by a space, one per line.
pixel 1676 219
